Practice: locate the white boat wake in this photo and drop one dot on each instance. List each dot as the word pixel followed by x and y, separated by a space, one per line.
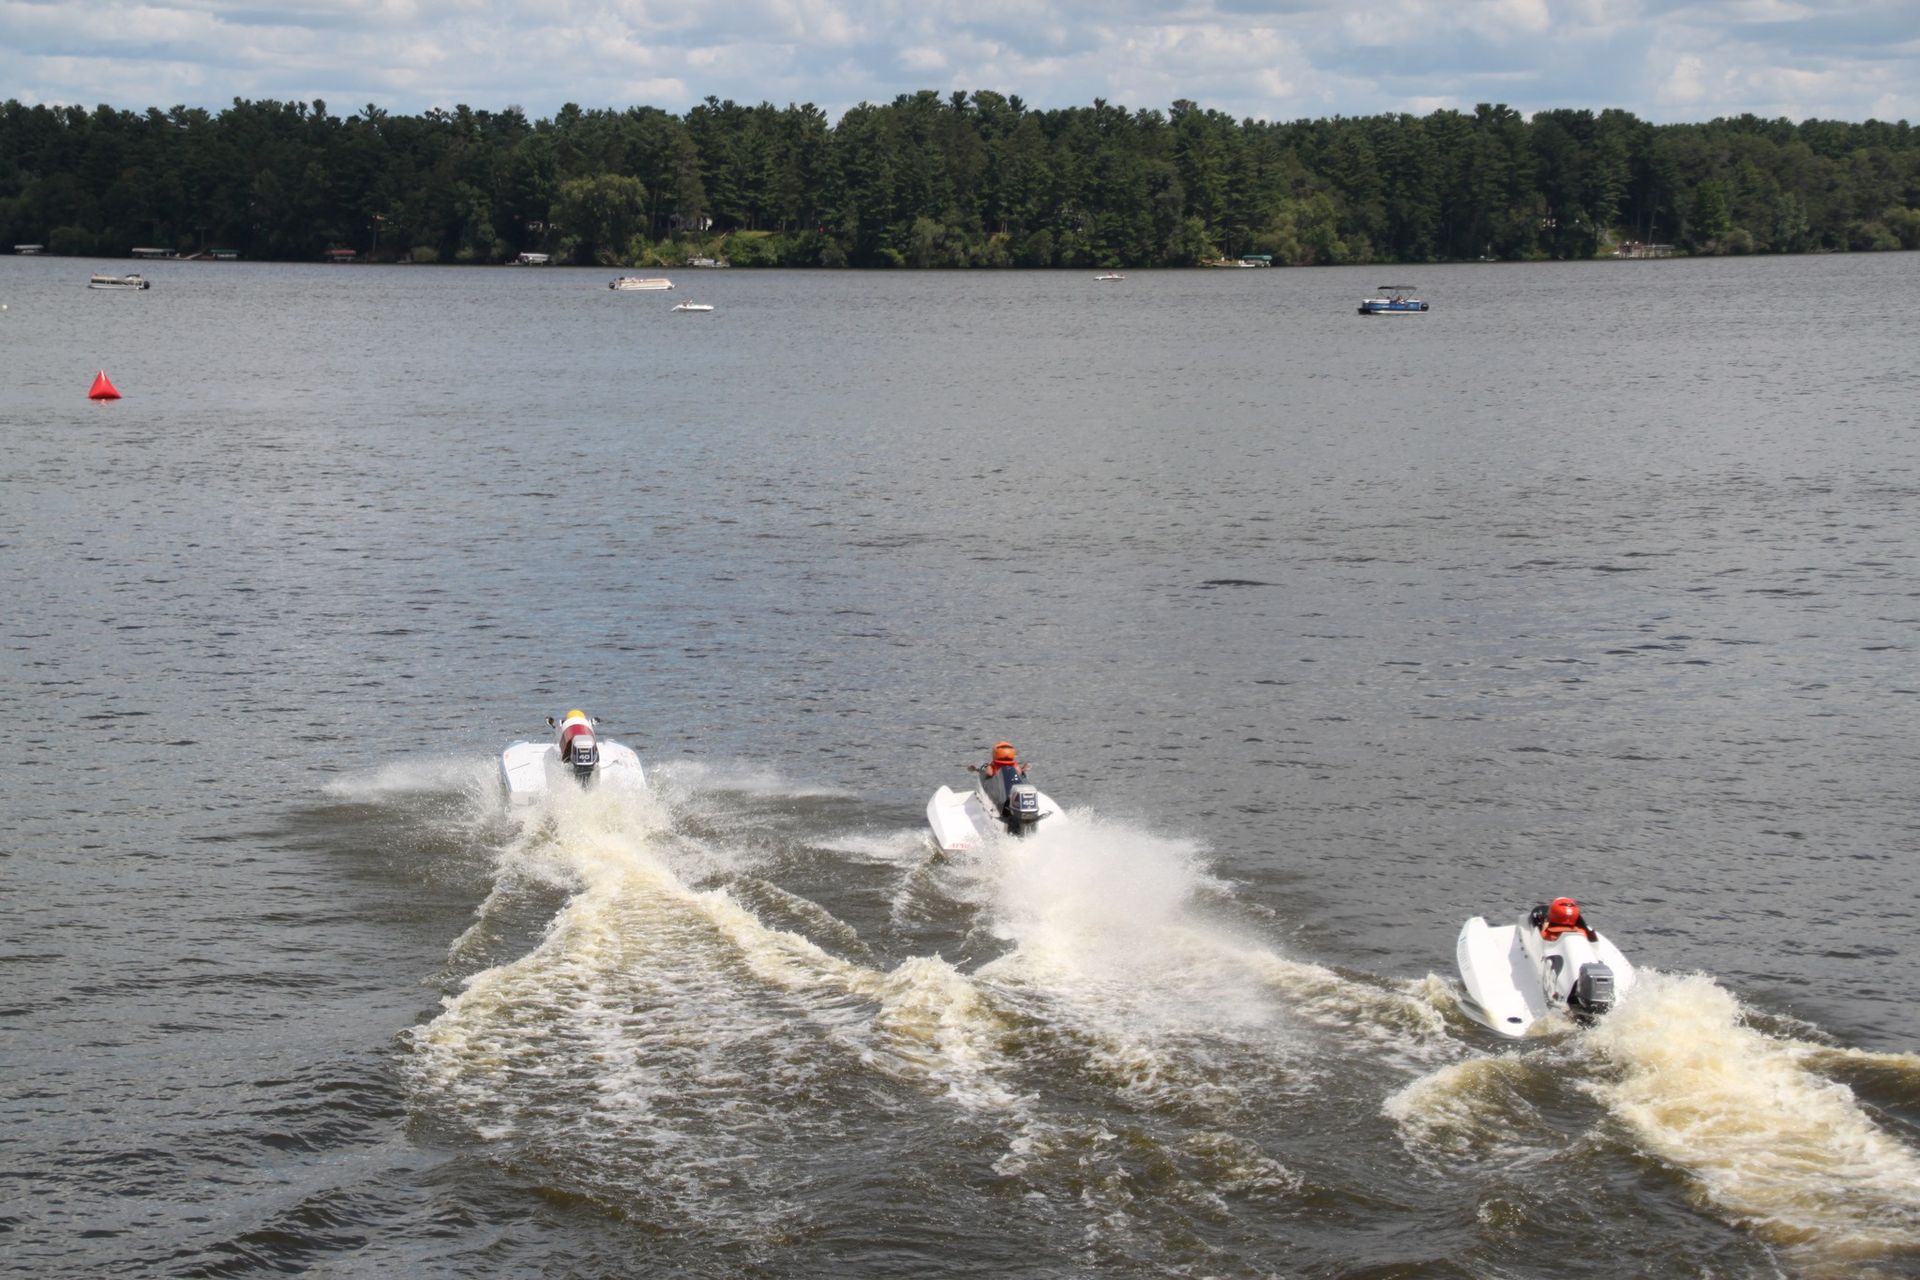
pixel 1766 1142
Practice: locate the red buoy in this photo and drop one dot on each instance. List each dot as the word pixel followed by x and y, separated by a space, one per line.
pixel 102 388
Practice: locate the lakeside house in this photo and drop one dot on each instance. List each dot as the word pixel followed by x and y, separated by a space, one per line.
pixel 341 255
pixel 29 250
pixel 154 253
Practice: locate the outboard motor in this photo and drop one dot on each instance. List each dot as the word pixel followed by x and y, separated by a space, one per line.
pixel 1592 992
pixel 1023 808
pixel 583 754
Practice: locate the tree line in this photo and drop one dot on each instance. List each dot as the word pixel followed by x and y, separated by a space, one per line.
pixel 966 179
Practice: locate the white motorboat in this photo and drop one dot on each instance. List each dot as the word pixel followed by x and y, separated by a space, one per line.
pixel 694 306
pixel 631 284
pixel 1547 963
pixel 119 282
pixel 577 756
pixel 961 820
pixel 1111 275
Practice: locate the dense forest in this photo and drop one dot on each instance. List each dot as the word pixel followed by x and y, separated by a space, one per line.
pixel 963 180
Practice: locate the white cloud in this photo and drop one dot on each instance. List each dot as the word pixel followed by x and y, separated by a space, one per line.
pixel 1503 18
pixel 668 89
pixel 923 58
pixel 1275 85
pixel 1600 13
pixel 1762 11
pixel 812 21
pixel 1684 84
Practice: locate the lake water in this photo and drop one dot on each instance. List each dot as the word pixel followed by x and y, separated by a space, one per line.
pixel 1327 632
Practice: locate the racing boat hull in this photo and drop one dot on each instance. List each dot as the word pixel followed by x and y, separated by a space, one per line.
pixel 531 771
pixel 1515 980
pixel 960 820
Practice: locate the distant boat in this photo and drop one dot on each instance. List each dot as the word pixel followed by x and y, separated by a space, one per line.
pixel 1111 275
pixel 708 262
pixel 118 282
pixel 628 284
pixel 533 260
pixel 693 306
pixel 1393 301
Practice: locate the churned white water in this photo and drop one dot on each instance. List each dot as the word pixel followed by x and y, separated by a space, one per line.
pixel 1763 1138
pixel 1746 1120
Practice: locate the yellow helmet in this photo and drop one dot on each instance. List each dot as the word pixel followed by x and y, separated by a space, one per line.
pixel 571 714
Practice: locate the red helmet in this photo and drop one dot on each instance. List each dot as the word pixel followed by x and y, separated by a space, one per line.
pixel 1564 911
pixel 1003 753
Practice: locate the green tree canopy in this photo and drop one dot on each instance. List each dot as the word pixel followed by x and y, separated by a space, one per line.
pixel 964 179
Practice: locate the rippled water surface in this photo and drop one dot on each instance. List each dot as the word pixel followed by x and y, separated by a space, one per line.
pixel 1327 632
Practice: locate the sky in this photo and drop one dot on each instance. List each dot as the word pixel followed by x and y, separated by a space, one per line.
pixel 1664 60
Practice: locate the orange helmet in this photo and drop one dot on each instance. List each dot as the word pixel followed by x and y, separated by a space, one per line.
pixel 1564 911
pixel 1003 753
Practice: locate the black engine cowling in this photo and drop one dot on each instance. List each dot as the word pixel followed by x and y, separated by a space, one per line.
pixel 1022 808
pixel 583 755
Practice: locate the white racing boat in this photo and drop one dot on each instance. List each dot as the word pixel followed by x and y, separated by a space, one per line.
pixel 694 306
pixel 1549 962
pixel 577 756
pixel 1001 802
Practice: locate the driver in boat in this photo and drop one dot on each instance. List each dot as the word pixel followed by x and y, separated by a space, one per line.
pixel 1561 916
pixel 573 725
pixel 1001 772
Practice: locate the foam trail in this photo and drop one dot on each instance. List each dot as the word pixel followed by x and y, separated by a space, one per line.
pixel 1791 1155
pixel 906 847
pixel 1901 1068
pixel 933 1022
pixel 466 775
pixel 649 1045
pixel 1477 1106
pixel 1103 916
pixel 1122 937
